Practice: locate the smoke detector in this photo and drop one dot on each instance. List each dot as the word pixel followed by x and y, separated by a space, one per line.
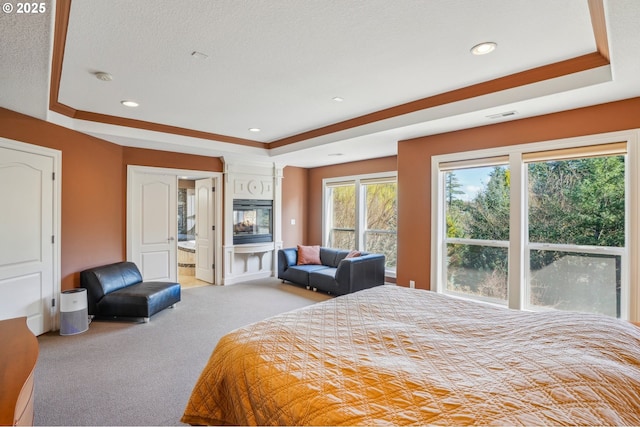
pixel 105 77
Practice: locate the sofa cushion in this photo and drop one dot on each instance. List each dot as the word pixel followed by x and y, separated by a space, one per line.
pixel 309 255
pixel 115 276
pixel 300 273
pixel 107 278
pixel 290 257
pixel 332 257
pixel 324 279
pixel 143 299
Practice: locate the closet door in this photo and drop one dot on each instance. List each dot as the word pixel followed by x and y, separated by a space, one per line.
pixel 27 238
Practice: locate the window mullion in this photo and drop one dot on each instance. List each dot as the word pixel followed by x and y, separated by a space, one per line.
pixel 438 245
pixel 326 214
pixel 477 242
pixel 631 287
pixel 610 250
pixel 360 215
pixel 518 231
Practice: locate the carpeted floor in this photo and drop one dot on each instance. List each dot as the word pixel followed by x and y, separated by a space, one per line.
pixel 124 373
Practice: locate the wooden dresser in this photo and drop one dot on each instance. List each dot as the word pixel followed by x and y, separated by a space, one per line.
pixel 18 356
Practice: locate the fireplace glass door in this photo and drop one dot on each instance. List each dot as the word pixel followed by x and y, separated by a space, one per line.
pixel 252 221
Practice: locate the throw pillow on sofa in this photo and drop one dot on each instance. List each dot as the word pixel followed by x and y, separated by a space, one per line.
pixel 309 255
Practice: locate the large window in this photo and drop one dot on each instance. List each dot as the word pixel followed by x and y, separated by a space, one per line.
pixel 341 214
pixel 535 228
pixel 576 230
pixel 360 213
pixel 477 230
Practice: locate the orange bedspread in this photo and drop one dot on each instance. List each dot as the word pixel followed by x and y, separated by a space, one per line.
pixel 392 355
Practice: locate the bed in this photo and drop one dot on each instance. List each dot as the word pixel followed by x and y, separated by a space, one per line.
pixel 397 356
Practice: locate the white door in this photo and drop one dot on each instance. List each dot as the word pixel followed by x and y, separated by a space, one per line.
pixel 204 229
pixel 26 238
pixel 154 225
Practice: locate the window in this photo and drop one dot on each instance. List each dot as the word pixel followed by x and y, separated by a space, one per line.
pixel 538 229
pixel 361 213
pixel 341 211
pixel 576 230
pixel 477 230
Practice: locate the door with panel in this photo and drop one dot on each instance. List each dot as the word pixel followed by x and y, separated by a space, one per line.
pixel 27 238
pixel 205 229
pixel 154 225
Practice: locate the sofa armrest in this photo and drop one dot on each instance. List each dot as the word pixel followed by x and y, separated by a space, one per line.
pixel 355 274
pixel 286 258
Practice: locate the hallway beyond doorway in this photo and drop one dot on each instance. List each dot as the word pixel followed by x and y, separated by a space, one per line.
pixel 191 282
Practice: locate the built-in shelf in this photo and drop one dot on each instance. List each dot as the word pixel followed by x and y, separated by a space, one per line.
pixel 253 248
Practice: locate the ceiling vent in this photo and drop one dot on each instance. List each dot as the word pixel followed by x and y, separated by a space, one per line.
pixel 105 77
pixel 502 115
pixel 199 55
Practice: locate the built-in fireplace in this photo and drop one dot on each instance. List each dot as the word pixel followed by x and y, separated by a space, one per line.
pixel 252 221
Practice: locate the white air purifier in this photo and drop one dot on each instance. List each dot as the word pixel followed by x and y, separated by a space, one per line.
pixel 74 316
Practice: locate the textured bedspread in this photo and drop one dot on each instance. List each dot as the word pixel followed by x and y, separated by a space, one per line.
pixel 392 355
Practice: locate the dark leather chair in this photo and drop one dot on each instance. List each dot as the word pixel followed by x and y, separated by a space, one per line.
pixel 117 290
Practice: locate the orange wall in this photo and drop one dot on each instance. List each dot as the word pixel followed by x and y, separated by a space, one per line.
pixel 295 198
pixel 93 188
pixel 92 200
pixel 414 168
pixel 94 181
pixel 316 175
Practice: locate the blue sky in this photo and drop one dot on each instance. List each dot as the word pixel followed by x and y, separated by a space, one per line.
pixel 472 180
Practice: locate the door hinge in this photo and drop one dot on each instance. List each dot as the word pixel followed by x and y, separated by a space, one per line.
pixel 213 266
pixel 53 239
pixel 53 302
pixel 213 189
pixel 53 176
pixel 213 228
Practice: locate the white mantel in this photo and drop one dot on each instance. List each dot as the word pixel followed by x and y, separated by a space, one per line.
pixel 258 181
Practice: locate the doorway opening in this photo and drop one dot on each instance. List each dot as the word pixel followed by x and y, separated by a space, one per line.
pixel 153 226
pixel 193 223
pixel 187 234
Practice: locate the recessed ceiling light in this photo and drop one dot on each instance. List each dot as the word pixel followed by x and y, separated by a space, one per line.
pixel 336 154
pixel 484 48
pixel 131 104
pixel 254 129
pixel 338 99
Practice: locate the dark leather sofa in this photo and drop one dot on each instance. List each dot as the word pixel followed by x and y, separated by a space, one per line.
pixel 117 290
pixel 336 275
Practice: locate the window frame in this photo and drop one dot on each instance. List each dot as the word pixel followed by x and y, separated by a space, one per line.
pixel 518 243
pixel 359 181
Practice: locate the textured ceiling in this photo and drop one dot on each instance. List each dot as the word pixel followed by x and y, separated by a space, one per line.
pixel 278 64
pixel 25 45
